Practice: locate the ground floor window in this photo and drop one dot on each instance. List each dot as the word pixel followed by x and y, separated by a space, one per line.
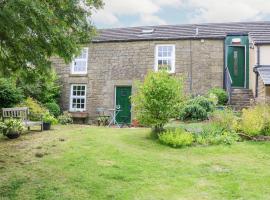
pixel 78 97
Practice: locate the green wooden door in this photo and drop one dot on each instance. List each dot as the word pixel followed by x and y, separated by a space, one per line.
pixel 236 65
pixel 123 94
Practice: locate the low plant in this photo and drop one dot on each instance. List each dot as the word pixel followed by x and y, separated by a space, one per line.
pixel 204 102
pixel 176 138
pixel 48 118
pixel 221 95
pixel 65 118
pixel 256 120
pixel 11 127
pixel 35 108
pixel 53 108
pixel 214 135
pixel 103 120
pixel 226 119
pixel 193 112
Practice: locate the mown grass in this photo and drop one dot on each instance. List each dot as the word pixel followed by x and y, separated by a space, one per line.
pixel 81 162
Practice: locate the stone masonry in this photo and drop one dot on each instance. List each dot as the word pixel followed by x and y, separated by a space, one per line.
pixel 201 62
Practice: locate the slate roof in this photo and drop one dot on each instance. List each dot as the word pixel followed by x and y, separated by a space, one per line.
pixel 259 32
pixel 264 73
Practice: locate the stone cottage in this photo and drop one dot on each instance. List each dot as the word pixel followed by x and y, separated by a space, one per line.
pixel 233 56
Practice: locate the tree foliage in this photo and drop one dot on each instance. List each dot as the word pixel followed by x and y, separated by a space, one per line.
pixel 42 86
pixel 33 31
pixel 9 94
pixel 158 99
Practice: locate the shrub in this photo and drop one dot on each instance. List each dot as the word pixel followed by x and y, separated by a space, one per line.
pixel 225 119
pixel 65 118
pixel 176 138
pixel 35 108
pixel 214 134
pixel 221 95
pixel 48 118
pixel 203 102
pixel 256 120
pixel 41 85
pixel 158 99
pixel 193 112
pixel 53 108
pixel 9 94
pixel 213 98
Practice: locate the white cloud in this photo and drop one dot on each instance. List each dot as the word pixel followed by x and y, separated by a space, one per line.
pixel 228 10
pixel 146 10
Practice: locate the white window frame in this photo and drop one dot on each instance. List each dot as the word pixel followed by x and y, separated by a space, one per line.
pixel 80 59
pixel 172 58
pixel 71 109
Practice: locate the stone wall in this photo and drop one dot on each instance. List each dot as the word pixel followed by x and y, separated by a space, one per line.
pixel 201 63
pixel 263 92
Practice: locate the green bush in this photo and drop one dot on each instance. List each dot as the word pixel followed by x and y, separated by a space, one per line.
pixel 35 108
pixel 256 120
pixel 214 135
pixel 158 99
pixel 53 108
pixel 65 118
pixel 9 94
pixel 193 112
pixel 176 138
pixel 203 102
pixel 40 85
pixel 221 95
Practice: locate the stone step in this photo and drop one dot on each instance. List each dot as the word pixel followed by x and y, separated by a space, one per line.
pixel 241 98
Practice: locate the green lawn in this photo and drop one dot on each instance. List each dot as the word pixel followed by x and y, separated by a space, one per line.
pixel 81 162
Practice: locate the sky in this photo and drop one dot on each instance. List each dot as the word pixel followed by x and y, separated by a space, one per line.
pixel 125 13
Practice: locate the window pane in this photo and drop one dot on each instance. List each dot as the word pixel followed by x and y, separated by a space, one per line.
pixel 165 54
pixel 79 66
pixel 83 54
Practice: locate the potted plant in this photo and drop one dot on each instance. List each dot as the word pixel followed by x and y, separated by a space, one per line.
pixel 11 128
pixel 135 123
pixel 48 120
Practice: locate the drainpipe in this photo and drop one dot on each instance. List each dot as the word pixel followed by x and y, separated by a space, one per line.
pixel 257 74
pixel 190 70
pixel 224 64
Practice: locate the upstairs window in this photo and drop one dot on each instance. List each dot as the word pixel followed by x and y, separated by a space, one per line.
pixel 78 98
pixel 79 64
pixel 165 58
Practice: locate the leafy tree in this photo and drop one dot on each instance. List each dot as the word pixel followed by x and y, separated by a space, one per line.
pixel 40 85
pixel 158 99
pixel 9 94
pixel 33 31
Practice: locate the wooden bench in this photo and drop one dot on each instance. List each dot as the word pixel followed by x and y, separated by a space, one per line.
pixel 21 113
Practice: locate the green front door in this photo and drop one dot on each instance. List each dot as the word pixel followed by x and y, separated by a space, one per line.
pixel 236 65
pixel 123 94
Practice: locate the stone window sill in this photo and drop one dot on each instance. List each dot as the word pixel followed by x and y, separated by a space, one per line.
pixel 77 75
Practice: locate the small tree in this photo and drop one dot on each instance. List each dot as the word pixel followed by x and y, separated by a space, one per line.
pixel 158 99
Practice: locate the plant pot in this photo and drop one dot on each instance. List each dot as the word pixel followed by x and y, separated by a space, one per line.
pixel 46 126
pixel 13 135
pixel 135 123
